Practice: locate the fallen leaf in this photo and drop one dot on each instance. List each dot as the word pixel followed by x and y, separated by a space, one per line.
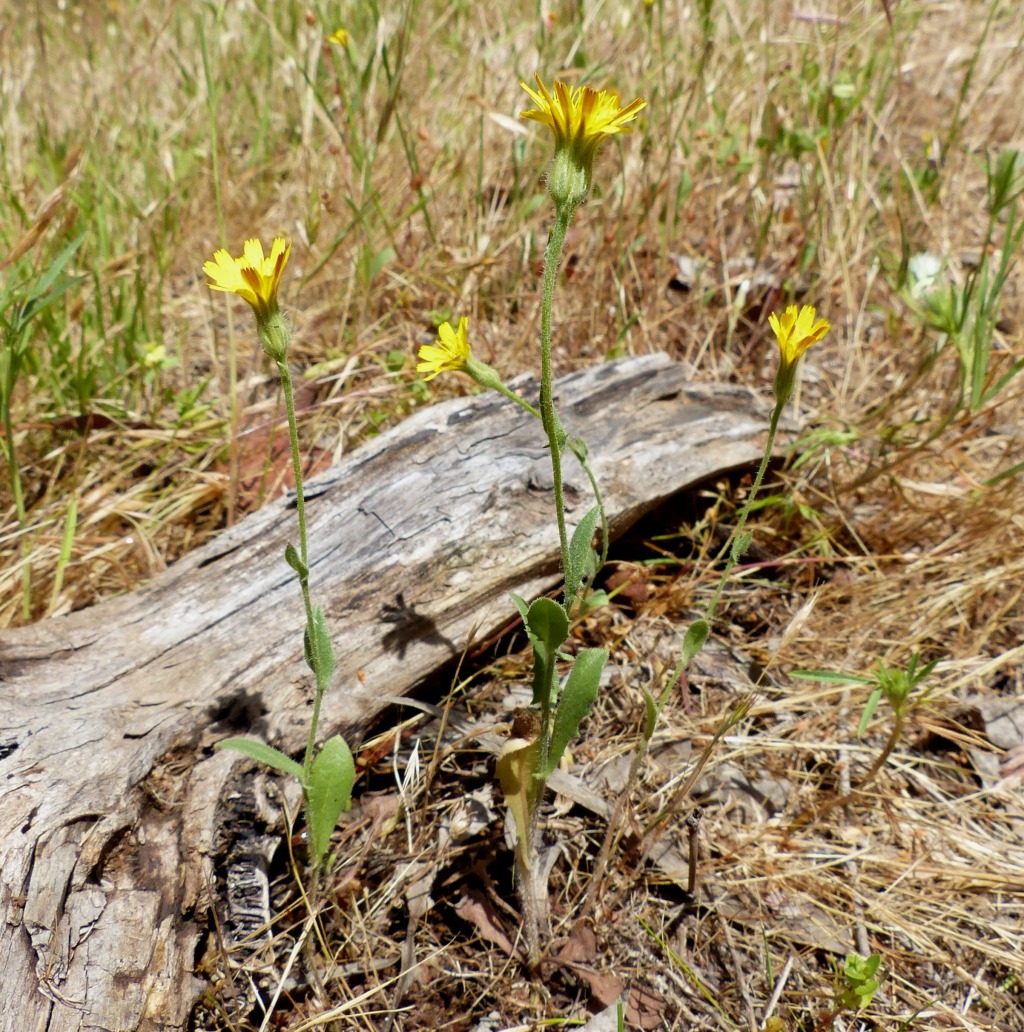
pixel 645 1008
pixel 477 910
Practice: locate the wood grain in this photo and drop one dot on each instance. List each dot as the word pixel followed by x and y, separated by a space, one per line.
pixel 416 539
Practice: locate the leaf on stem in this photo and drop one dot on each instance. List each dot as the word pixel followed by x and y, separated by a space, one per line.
pixel 328 793
pixel 291 557
pixel 577 698
pixel 324 649
pixel 693 641
pixel 582 557
pixel 547 627
pixel 741 544
pixel 264 753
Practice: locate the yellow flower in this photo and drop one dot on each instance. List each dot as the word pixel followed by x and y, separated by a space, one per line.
pixel 340 36
pixel 797 331
pixel 450 351
pixel 251 276
pixel 580 118
pixel 256 279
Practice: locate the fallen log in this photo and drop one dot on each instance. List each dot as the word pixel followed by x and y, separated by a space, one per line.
pixel 416 539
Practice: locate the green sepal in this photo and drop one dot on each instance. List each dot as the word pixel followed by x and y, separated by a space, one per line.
pixel 582 557
pixel 578 696
pixel 264 753
pixel 291 557
pixel 328 793
pixel 693 640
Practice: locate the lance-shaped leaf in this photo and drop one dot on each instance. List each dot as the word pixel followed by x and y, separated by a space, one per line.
pixel 328 793
pixel 264 753
pixel 318 650
pixel 582 558
pixel 577 697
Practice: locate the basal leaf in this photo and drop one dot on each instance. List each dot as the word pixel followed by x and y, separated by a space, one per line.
pixel 264 753
pixel 577 698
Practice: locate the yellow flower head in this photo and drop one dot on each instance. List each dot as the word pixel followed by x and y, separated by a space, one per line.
pixel 580 118
pixel 450 351
pixel 340 36
pixel 797 331
pixel 252 276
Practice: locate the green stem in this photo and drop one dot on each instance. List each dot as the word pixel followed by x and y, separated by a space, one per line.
pixel 734 557
pixel 300 508
pixel 19 501
pixel 521 402
pixel 300 497
pixel 581 457
pixel 596 488
pixel 549 418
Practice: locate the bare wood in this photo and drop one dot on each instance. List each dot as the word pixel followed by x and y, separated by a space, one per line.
pixel 105 881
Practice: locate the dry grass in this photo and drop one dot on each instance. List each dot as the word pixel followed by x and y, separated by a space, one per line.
pixel 787 150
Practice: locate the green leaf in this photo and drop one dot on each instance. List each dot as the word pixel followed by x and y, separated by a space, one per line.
pixel 520 604
pixel 328 793
pixel 322 652
pixel 594 600
pixel 547 627
pixel 869 711
pixel 693 641
pixel 831 677
pixel 291 557
pixel 516 765
pixel 582 558
pixel 741 544
pixel 577 698
pixel 264 753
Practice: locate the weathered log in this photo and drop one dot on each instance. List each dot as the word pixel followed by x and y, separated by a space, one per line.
pixel 416 538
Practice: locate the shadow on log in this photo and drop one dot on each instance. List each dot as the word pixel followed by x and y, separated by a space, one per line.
pixel 416 539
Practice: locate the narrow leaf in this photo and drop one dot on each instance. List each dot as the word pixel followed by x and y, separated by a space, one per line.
pixel 577 698
pixel 264 753
pixel 831 677
pixel 328 793
pixel 582 559
pixel 520 604
pixel 323 652
pixel 869 711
